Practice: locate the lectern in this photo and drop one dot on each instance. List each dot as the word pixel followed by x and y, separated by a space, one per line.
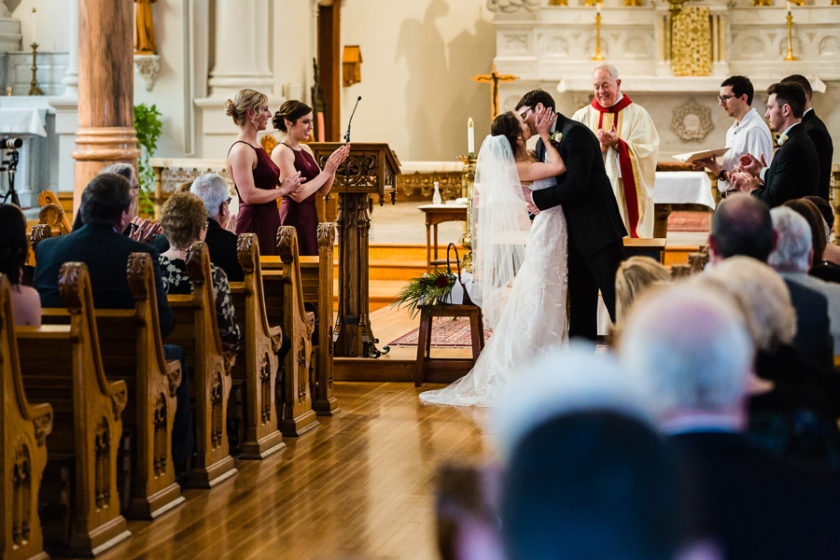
pixel 369 169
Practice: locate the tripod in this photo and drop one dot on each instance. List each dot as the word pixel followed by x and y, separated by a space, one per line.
pixel 10 166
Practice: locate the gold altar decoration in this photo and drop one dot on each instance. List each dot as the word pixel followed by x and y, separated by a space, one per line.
pixel 467 182
pixel 633 3
pixel 761 3
pixel 144 41
pixel 34 88
pixel 558 2
pixel 494 78
pixel 789 56
pixel 598 55
pixel 691 48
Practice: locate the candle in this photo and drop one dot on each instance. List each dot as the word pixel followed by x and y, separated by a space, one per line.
pixel 788 8
pixel 598 8
pixel 470 136
pixel 34 39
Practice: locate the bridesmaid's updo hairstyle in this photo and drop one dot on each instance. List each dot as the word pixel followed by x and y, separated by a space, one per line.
pixel 289 111
pixel 507 125
pixel 244 100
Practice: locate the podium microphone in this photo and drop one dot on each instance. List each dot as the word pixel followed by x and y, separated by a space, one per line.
pixel 347 136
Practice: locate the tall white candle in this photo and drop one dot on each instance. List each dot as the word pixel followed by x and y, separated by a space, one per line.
pixel 788 8
pixel 470 136
pixel 34 36
pixel 598 8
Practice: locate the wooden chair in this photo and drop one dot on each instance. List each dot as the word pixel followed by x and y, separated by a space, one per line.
pixel 284 304
pixel 62 364
pixel 257 365
pixel 453 366
pixel 22 445
pixel 132 349
pixel 197 331
pixel 317 284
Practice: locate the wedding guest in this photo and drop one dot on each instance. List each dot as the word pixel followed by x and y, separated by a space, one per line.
pixel 185 220
pixel 292 155
pixel 634 276
pixel 811 213
pixel 831 255
pixel 14 248
pixel 255 176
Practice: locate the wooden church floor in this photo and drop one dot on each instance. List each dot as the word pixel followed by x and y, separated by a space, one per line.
pixel 358 486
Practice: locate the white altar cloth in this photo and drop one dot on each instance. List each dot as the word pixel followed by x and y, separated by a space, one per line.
pixel 683 187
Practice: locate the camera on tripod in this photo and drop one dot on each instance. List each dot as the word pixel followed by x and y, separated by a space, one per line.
pixel 9 143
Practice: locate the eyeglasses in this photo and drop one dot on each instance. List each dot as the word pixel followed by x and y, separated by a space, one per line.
pixel 228 200
pixel 725 98
pixel 524 114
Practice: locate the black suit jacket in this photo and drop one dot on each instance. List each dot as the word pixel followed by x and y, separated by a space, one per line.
pixel 105 253
pixel 754 505
pixel 221 245
pixel 584 190
pixel 819 135
pixel 813 341
pixel 794 172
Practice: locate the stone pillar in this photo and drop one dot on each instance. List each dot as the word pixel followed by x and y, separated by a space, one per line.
pixel 71 75
pixel 241 35
pixel 106 89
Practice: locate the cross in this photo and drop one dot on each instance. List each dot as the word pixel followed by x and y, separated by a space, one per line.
pixel 494 77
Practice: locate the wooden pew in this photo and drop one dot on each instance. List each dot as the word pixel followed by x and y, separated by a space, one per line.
pixel 258 364
pixel 197 331
pixel 62 364
pixel 52 213
pixel 284 304
pixel 317 285
pixel 22 445
pixel 132 349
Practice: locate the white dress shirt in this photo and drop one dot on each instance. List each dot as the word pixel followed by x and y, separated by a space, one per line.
pixel 750 136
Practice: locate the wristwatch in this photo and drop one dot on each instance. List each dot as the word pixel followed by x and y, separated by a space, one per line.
pixel 722 175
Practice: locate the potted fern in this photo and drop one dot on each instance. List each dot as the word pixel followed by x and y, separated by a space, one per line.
pixel 147 124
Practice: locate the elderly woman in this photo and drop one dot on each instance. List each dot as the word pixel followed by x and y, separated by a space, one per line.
pixel 14 248
pixel 185 221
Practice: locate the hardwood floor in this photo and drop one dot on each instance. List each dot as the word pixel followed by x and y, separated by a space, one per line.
pixel 359 486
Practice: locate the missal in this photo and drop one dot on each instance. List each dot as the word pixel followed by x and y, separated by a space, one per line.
pixel 689 157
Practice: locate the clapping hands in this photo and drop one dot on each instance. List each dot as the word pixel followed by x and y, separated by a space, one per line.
pixel 743 181
pixel 749 164
pixel 144 230
pixel 337 158
pixel 291 185
pixel 607 138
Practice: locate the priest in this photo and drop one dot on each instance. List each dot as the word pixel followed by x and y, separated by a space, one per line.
pixel 630 146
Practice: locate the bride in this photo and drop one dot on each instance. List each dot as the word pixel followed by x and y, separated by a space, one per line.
pixel 521 267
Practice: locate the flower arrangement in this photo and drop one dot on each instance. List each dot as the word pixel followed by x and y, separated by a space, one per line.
pixel 432 288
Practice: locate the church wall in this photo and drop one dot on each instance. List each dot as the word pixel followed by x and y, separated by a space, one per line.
pixel 417 60
pixel 52 31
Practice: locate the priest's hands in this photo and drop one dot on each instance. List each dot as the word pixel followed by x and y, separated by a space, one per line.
pixel 607 138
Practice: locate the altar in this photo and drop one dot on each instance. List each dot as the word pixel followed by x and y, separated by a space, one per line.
pixel 32 119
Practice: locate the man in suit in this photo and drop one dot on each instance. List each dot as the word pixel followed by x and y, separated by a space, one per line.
pixel 818 133
pixel 794 172
pixel 221 243
pixel 595 227
pixel 690 352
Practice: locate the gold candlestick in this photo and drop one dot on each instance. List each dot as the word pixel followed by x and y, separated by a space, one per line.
pixel 598 55
pixel 34 88
pixel 789 57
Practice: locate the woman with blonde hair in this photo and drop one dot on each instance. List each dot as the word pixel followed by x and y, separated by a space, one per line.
pixel 255 176
pixel 634 276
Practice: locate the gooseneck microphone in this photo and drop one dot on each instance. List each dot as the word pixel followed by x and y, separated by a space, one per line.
pixel 347 136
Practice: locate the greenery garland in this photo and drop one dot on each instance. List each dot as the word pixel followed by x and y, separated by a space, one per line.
pixel 429 289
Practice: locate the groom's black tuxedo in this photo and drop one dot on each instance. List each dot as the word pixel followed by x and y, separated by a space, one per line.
pixel 794 171
pixel 595 227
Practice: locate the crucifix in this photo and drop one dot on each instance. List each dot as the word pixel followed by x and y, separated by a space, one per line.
pixel 494 78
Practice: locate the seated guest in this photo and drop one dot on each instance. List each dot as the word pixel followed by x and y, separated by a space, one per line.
pixel 184 218
pixel 14 248
pixel 792 259
pixel 586 475
pixel 689 350
pixel 811 213
pixel 831 255
pixel 634 276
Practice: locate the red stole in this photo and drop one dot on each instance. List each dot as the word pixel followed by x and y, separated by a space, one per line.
pixel 626 165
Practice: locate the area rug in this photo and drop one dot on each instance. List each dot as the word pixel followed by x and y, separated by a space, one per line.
pixel 446 331
pixel 689 221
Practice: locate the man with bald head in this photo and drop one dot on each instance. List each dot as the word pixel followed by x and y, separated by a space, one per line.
pixel 629 144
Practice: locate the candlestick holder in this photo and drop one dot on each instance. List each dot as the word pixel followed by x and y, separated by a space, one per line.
pixel 467 185
pixel 598 55
pixel 789 57
pixel 34 88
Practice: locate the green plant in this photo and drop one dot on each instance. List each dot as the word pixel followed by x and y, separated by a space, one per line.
pixel 147 124
pixel 428 289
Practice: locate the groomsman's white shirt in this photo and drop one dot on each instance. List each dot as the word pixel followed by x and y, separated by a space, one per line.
pixel 750 136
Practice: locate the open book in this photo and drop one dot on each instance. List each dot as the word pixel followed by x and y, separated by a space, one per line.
pixel 688 157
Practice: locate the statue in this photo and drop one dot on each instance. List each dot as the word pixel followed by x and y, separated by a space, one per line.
pixel 145 38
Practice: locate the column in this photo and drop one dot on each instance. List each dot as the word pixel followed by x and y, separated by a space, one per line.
pixel 241 49
pixel 71 75
pixel 106 89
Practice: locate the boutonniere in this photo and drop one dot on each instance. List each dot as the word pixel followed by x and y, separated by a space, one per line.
pixel 782 139
pixel 556 137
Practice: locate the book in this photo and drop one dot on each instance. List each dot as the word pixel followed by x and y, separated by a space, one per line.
pixel 689 157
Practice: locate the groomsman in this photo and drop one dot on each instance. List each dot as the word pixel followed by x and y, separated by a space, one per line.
pixel 794 171
pixel 629 145
pixel 747 135
pixel 817 132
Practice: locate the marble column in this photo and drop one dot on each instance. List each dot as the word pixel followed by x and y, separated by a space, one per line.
pixel 106 89
pixel 241 47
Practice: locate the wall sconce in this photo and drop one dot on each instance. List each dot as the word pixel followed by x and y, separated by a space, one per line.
pixel 351 62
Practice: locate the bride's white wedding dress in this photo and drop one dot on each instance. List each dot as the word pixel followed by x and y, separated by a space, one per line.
pixel 532 321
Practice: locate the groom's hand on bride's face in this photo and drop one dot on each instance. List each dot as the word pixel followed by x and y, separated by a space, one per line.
pixel 543 119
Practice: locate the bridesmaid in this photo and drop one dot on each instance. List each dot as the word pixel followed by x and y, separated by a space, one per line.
pixel 255 176
pixel 294 119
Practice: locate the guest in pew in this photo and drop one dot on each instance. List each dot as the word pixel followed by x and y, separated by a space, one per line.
pixel 221 243
pixel 14 248
pixel 292 155
pixel 585 475
pixel 185 220
pixel 742 225
pixel 139 229
pixel 689 350
pixel 831 255
pixel 255 177
pixel 634 276
pixel 811 213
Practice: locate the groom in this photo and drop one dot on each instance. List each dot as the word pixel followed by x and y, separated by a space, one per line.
pixel 594 223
